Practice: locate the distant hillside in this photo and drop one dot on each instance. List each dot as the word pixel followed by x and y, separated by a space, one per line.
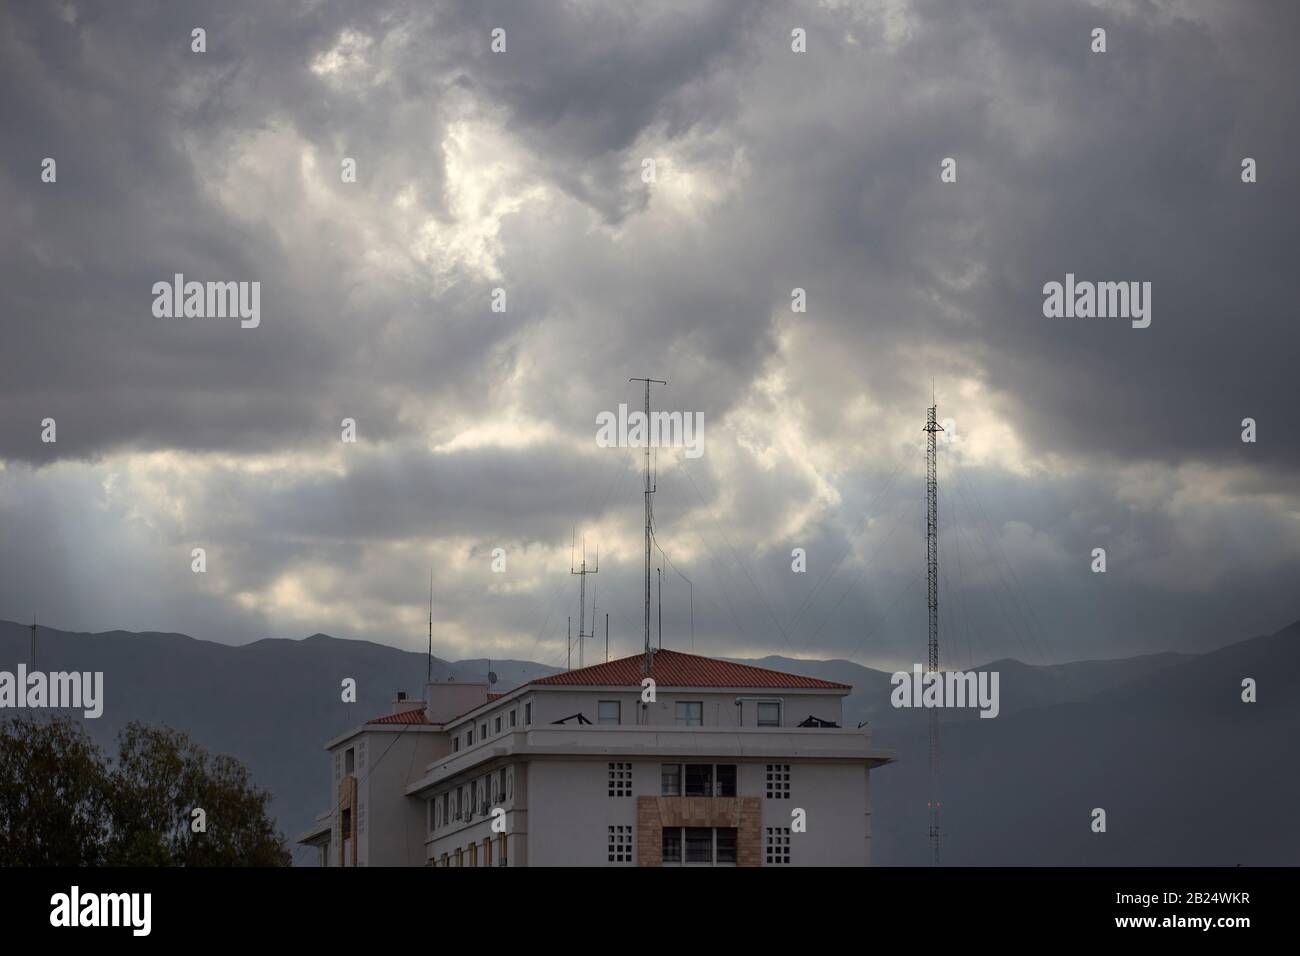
pixel 1186 772
pixel 273 703
pixel 1021 686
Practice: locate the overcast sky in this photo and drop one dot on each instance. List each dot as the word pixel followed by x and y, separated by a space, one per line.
pixel 523 170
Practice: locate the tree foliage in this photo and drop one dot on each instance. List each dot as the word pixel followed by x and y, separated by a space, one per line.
pixel 63 804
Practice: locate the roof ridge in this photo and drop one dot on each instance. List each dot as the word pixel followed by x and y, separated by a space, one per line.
pixel 682 669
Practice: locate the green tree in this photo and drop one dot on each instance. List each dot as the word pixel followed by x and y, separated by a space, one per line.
pixel 62 804
pixel 161 778
pixel 55 795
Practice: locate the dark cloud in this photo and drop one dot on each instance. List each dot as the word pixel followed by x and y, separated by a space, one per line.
pixel 776 170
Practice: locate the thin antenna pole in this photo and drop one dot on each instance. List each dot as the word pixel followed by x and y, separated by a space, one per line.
pixel 570 642
pixel 606 637
pixel 428 675
pixel 649 511
pixel 583 571
pixel 661 607
pixel 932 429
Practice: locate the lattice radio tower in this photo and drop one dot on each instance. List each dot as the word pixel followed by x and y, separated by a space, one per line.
pixel 649 514
pixel 932 429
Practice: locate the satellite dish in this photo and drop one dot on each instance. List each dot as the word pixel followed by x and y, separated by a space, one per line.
pixel 492 677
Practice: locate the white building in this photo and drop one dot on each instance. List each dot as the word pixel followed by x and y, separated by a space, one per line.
pixel 727 765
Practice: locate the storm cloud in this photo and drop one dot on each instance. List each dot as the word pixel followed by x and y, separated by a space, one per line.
pixel 523 171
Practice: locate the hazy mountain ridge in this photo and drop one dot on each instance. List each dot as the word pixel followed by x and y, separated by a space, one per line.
pixel 1186 771
pixel 272 703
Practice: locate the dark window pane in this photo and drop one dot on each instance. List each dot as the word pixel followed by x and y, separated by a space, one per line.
pixel 671 774
pixel 672 846
pixel 699 780
pixel 726 845
pixel 726 779
pixel 699 845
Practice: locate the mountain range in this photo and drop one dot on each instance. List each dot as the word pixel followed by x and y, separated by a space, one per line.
pixel 1186 771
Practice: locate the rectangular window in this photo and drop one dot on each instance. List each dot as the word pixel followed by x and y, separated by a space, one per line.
pixel 513 714
pixel 455 743
pixel 708 846
pixel 609 712
pixel 620 780
pixel 349 761
pixel 726 837
pixel 469 736
pixel 769 715
pixel 778 846
pixel 497 727
pixel 501 786
pixel 501 860
pixel 672 845
pixel 699 845
pixel 446 807
pixel 690 713
pixel 483 731
pixel 726 780
pixel 620 844
pixel 778 781
pixel 699 780
pixel 670 775
pixel 528 713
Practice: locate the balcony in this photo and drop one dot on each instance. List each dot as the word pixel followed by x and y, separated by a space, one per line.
pixel 722 744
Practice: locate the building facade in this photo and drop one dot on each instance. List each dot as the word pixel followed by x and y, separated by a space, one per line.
pixel 702 762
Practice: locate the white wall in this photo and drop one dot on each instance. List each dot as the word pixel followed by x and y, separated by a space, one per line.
pixel 571 796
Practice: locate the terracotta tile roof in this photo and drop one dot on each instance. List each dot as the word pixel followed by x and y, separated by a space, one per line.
pixel 675 669
pixel 415 716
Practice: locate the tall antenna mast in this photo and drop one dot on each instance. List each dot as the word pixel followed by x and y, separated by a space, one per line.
pixel 661 608
pixel 428 675
pixel 649 512
pixel 932 429
pixel 582 571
